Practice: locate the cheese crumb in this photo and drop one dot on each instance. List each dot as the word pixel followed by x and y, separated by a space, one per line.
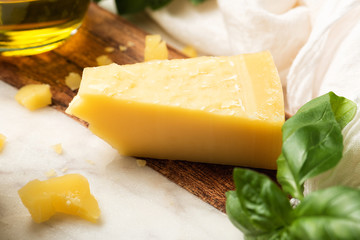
pixel 34 96
pixel 189 51
pixel 109 49
pixel 130 44
pixel 155 48
pixel 73 81
pixel 140 163
pixel 64 170
pixel 51 173
pixel 122 48
pixel 90 162
pixel 58 148
pixel 2 142
pixel 103 60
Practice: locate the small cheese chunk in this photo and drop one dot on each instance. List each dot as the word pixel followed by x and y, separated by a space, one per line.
pixel 189 51
pixel 122 48
pixel 103 60
pixel 2 142
pixel 140 162
pixel 130 44
pixel 155 48
pixel 58 148
pixel 34 96
pixel 69 194
pixel 51 173
pixel 73 81
pixel 109 49
pixel 90 162
pixel 226 110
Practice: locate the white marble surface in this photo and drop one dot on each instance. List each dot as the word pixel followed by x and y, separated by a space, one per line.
pixel 136 202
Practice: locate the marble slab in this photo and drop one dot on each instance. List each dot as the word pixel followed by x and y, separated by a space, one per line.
pixel 136 202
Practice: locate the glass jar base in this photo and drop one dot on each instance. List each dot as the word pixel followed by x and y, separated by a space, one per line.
pixel 11 52
pixel 29 27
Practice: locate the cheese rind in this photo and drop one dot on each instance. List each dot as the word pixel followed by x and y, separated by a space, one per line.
pixel 226 110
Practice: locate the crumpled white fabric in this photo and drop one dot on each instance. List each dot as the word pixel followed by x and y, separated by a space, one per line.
pixel 315 45
pixel 330 61
pixel 228 27
pixel 347 170
pixel 201 26
pixel 259 25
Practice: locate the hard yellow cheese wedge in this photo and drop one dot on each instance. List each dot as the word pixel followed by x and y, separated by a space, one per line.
pixel 226 110
pixel 69 194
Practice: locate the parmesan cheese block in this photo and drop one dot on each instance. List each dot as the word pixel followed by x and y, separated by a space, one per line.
pixel 226 110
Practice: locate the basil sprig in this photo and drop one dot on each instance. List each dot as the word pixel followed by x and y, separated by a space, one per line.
pixel 312 144
pixel 264 211
pixel 258 207
pixel 312 141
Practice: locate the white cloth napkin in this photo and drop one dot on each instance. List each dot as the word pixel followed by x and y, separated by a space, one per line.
pixel 228 27
pixel 315 45
pixel 330 61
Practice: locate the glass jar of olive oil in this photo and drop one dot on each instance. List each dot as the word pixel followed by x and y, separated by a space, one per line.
pixel 34 26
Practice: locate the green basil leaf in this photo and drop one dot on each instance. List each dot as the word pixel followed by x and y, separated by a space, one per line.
pixel 324 228
pixel 332 213
pixel 312 141
pixel 130 6
pixel 134 6
pixel 242 221
pixel 311 150
pixel 260 207
pixel 196 2
pixel 236 214
pixel 287 179
pixel 343 108
pixel 156 4
pixel 318 109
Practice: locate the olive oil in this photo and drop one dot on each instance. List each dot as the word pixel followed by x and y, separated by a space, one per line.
pixel 34 26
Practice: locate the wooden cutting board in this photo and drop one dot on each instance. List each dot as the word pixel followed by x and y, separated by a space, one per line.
pixel 103 29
